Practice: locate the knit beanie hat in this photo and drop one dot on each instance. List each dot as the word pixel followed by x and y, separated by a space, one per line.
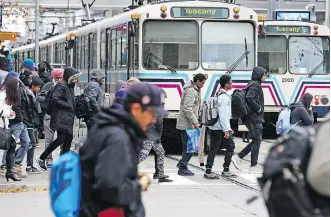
pixel 28 63
pixel 57 73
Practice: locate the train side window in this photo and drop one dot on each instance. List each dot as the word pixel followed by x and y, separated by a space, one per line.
pixel 93 51
pixel 109 50
pixel 272 54
pixel 119 47
pixel 86 47
pixel 124 47
pixel 103 50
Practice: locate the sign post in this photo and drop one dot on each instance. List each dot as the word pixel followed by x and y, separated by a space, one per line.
pixel 36 60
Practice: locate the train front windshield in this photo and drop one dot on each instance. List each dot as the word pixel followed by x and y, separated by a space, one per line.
pixel 306 55
pixel 175 45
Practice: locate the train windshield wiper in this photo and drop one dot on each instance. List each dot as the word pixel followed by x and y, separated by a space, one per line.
pixel 151 54
pixel 239 60
pixel 314 70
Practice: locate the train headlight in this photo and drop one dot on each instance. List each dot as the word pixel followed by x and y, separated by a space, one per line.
pixel 324 100
pixel 163 8
pixel 236 16
pixel 315 27
pixel 317 97
pixel 236 10
pixel 163 15
pixel 135 16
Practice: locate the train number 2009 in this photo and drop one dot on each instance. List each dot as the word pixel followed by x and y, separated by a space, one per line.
pixel 287 79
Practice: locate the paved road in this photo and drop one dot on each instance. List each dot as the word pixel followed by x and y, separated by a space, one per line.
pixel 191 196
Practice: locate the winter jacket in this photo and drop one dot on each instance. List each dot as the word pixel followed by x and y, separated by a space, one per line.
pixel 224 112
pixel 318 172
pixel 300 115
pixel 41 96
pixel 189 107
pixel 255 98
pixel 63 104
pixel 45 77
pixel 5 109
pixel 3 75
pixel 24 110
pixel 109 164
pixel 154 131
pixel 93 90
pixel 33 107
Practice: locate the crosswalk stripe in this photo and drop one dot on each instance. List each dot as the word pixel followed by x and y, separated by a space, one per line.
pixel 250 177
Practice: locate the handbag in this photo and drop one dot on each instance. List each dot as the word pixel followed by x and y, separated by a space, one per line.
pixel 5 135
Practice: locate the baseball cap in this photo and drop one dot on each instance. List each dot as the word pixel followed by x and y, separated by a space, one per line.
pixel 146 94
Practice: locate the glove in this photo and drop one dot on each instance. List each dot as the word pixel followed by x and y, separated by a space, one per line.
pixel 144 181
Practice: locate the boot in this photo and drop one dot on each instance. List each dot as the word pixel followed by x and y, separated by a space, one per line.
pixel 12 176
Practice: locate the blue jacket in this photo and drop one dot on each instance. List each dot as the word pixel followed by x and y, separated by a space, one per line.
pixel 224 112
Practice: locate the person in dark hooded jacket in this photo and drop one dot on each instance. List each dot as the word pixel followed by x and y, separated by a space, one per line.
pixel 109 157
pixel 94 93
pixel 62 114
pixel 254 120
pixel 301 112
pixel 43 72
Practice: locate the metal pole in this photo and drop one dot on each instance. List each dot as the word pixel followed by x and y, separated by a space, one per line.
pixel 327 13
pixel 271 9
pixel 37 33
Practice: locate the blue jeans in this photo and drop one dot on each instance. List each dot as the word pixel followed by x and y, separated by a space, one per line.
pixel 186 157
pixel 19 131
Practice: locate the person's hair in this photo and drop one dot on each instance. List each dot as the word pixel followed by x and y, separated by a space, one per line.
pixel 224 79
pixel 306 99
pixel 12 91
pixel 199 77
pixel 36 81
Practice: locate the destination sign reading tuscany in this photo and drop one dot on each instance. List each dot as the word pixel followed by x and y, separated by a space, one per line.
pixel 197 12
pixel 288 29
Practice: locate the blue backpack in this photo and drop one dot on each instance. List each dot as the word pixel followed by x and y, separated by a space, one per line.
pixel 283 125
pixel 65 185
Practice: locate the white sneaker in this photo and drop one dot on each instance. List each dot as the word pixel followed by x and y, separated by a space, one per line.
pixel 236 161
pixel 255 170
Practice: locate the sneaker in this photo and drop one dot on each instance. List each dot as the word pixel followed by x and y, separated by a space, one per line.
pixel 229 174
pixel 156 176
pixel 164 179
pixel 255 170
pixel 18 170
pixel 236 161
pixel 41 163
pixel 3 170
pixel 185 172
pixel 210 176
pixel 32 169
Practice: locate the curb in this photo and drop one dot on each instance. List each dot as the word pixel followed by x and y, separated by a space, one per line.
pixel 19 188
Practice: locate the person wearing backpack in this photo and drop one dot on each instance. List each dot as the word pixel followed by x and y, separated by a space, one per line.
pixel 110 178
pixel 57 76
pixel 62 101
pixel 301 112
pixel 254 119
pixel 188 118
pixel 94 93
pixel 221 132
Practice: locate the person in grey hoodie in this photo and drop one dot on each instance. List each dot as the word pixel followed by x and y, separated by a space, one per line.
pixel 221 132
pixel 94 93
pixel 188 117
pixel 301 112
pixel 254 120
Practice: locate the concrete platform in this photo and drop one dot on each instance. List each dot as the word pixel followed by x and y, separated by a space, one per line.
pixel 185 196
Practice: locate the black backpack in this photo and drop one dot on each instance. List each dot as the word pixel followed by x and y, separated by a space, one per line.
pixel 239 106
pixel 283 183
pixel 83 108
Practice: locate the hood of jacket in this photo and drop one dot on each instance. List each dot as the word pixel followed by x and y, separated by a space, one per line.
pixel 258 73
pixel 119 117
pixel 69 73
pixel 120 84
pixel 190 84
pixel 296 105
pixel 97 74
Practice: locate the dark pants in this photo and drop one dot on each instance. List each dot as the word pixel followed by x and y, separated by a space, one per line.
pixel 10 156
pixel 62 138
pixel 33 135
pixel 217 141
pixel 255 130
pixel 90 122
pixel 186 157
pixel 155 160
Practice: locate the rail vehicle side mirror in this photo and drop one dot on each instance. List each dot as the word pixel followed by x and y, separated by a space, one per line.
pixel 262 31
pixel 70 44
